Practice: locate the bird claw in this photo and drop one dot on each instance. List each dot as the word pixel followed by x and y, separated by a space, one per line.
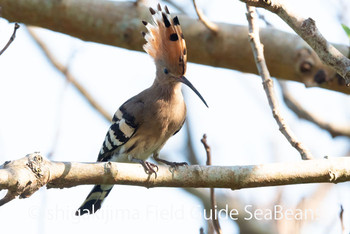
pixel 171 164
pixel 177 164
pixel 149 168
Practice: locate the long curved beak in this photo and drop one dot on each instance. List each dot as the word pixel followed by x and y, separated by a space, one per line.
pixel 188 83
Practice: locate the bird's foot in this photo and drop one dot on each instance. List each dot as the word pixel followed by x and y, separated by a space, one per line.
pixel 171 164
pixel 149 167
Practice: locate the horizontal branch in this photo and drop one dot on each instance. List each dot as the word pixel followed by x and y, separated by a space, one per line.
pixel 119 24
pixel 26 175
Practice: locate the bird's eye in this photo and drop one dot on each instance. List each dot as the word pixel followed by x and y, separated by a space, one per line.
pixel 166 71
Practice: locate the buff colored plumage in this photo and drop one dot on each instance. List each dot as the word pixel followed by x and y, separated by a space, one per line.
pixel 144 123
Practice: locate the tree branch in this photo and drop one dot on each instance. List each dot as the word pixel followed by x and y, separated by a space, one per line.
pixel 258 52
pixel 210 25
pixel 119 24
pixel 215 218
pixel 26 175
pixel 335 129
pixel 12 38
pixel 230 202
pixel 306 29
pixel 70 78
pixel 341 217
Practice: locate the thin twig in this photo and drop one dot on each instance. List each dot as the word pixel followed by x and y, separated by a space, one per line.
pixel 92 101
pixel 207 149
pixel 216 223
pixel 333 128
pixel 262 17
pixel 268 84
pixel 207 23
pixel 342 219
pixel 12 38
pixel 296 107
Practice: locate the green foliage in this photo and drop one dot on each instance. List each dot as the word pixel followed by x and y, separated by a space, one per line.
pixel 346 29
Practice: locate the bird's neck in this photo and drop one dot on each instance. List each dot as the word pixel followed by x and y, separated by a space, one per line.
pixel 168 90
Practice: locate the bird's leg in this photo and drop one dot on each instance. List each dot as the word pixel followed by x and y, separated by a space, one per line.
pixel 149 167
pixel 172 164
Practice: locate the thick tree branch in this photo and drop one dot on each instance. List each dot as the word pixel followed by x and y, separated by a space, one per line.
pixel 119 24
pixel 258 52
pixel 306 29
pixel 26 175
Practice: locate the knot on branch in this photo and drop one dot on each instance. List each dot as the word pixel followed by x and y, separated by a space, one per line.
pixel 332 176
pixel 308 26
pixel 34 163
pixel 24 176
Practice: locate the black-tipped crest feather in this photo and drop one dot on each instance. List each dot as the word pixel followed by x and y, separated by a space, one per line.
pixel 176 21
pixel 152 11
pixel 165 41
pixel 166 10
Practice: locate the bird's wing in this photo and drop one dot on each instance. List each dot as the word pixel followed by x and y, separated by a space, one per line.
pixel 124 126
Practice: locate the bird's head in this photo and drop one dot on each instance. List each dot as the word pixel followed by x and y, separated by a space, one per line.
pixel 167 46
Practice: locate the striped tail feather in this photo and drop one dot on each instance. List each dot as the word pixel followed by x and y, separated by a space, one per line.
pixel 94 200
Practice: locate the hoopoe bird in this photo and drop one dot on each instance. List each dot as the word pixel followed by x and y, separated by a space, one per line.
pixel 143 124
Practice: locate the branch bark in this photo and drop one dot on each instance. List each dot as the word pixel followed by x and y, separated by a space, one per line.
pixel 258 53
pixel 306 29
pixel 26 175
pixel 119 24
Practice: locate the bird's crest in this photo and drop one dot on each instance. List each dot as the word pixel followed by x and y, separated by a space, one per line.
pixel 165 41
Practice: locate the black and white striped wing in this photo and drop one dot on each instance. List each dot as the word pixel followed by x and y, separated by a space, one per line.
pixel 122 129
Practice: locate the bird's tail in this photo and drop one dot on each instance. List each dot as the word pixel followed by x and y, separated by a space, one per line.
pixel 94 200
